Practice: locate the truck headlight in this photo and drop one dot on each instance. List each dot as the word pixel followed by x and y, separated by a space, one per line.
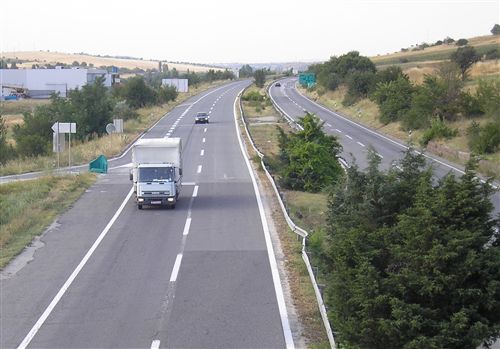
pixel 140 199
pixel 170 199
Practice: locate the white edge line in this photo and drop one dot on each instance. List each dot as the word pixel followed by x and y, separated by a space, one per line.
pixel 155 344
pixel 195 191
pixel 177 265
pixel 188 183
pixel 187 226
pixel 287 333
pixel 26 341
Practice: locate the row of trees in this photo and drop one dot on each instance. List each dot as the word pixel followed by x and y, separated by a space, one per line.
pixel 92 107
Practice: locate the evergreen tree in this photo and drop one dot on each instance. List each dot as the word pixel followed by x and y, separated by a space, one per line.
pixel 412 263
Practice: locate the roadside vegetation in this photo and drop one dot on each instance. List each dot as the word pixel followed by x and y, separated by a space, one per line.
pixel 29 207
pixel 26 134
pixel 453 109
pixel 265 126
pixel 406 262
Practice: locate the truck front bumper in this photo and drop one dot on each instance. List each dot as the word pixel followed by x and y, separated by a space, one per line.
pixel 161 201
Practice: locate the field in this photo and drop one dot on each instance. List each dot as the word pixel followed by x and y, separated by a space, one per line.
pixel 437 53
pixel 33 57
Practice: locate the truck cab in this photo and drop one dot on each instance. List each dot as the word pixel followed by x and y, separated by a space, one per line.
pixel 157 184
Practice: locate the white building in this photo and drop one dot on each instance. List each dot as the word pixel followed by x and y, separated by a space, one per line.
pixel 41 83
pixel 180 84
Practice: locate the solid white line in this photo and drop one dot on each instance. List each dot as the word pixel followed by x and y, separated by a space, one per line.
pixel 198 170
pixel 285 324
pixel 348 136
pixel 195 191
pixel 202 152
pixel 188 183
pixel 26 341
pixel 177 265
pixel 186 226
pixel 155 344
pixel 361 144
pixel 203 140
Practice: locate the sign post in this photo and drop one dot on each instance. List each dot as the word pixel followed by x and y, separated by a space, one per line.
pixel 62 128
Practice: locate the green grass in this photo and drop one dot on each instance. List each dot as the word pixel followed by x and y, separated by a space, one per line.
pixel 29 207
pixel 308 210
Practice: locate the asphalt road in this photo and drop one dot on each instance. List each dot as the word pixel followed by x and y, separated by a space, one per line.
pixel 108 275
pixel 355 138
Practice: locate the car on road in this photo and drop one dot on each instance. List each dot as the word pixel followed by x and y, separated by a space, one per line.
pixel 277 84
pixel 201 117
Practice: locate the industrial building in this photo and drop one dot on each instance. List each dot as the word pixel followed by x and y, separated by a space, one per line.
pixel 41 83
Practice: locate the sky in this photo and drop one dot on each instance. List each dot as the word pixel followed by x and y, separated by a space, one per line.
pixel 252 31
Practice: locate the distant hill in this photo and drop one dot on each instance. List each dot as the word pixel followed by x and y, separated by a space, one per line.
pixel 435 53
pixel 36 57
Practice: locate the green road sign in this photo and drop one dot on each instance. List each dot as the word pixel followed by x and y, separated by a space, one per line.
pixel 307 79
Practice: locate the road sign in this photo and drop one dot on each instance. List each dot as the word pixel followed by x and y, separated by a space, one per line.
pixel 64 127
pixel 110 128
pixel 307 79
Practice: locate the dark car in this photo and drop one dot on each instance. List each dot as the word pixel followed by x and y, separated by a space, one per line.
pixel 201 117
pixel 277 84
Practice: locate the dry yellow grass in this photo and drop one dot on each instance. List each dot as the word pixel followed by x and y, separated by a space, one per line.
pixel 477 41
pixel 68 58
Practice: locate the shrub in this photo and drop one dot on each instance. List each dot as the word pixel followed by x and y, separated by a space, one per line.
pixel 484 139
pixel 393 99
pixel 438 130
pixel 253 96
pixel 123 111
pixel 462 42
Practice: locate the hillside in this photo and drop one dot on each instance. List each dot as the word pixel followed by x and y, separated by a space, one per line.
pixel 32 57
pixel 436 53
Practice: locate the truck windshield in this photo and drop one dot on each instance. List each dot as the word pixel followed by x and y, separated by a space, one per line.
pixel 150 174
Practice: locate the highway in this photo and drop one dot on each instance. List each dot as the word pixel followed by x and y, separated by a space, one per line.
pixel 204 275
pixel 356 139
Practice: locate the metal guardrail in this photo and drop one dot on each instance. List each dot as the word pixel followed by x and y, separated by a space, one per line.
pixel 291 224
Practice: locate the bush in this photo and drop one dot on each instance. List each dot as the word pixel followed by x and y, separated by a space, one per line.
pixel 462 42
pixel 484 139
pixel 253 96
pixel 309 157
pixel 492 54
pixel 438 130
pixel 123 111
pixel 394 99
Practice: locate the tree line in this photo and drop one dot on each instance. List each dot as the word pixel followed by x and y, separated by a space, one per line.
pixel 92 107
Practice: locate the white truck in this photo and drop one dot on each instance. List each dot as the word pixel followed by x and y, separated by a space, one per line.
pixel 157 171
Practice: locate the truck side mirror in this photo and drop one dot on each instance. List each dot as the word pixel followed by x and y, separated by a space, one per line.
pixel 180 172
pixel 131 176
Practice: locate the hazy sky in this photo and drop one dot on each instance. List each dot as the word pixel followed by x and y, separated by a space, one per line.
pixel 238 31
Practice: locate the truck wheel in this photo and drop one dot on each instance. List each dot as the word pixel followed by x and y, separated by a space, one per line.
pixel 139 207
